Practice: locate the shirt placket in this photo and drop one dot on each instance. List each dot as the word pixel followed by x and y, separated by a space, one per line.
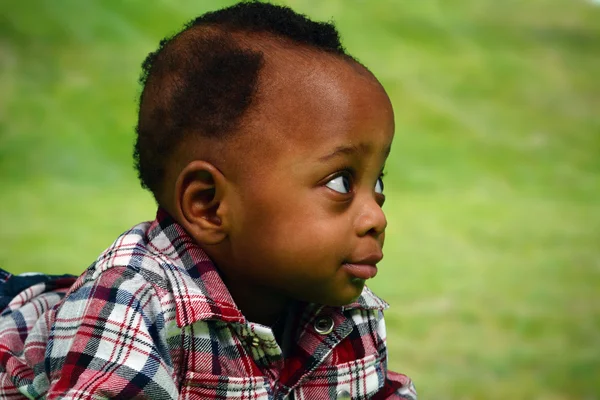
pixel 322 333
pixel 261 345
pixel 323 330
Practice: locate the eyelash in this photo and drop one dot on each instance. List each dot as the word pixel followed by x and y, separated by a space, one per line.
pixel 380 178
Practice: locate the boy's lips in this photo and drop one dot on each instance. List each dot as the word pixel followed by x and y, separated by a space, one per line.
pixel 363 268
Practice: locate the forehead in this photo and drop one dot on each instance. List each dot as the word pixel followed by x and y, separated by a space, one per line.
pixel 311 103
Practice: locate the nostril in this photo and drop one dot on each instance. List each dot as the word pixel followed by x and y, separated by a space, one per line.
pixel 376 232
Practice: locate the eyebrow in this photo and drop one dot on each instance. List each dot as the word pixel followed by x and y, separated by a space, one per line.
pixel 350 150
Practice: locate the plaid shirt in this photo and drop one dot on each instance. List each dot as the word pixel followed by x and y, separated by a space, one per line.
pixel 151 318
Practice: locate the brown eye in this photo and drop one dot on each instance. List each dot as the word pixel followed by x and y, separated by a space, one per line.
pixel 340 184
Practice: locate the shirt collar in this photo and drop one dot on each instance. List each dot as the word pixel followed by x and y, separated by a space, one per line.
pixel 197 287
pixel 199 291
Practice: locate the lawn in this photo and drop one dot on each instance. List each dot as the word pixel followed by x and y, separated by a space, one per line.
pixel 492 262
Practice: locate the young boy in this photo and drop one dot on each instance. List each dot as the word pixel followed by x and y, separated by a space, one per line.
pixel 263 143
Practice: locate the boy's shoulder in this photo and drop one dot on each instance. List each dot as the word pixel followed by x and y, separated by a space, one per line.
pixel 161 255
pixel 134 249
pixel 132 252
pixel 150 248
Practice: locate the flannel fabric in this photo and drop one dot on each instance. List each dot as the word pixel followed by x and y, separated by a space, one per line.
pixel 151 318
pixel 23 301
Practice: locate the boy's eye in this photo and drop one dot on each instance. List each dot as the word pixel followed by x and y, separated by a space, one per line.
pixel 340 184
pixel 379 185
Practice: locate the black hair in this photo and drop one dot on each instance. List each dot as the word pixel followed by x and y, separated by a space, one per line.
pixel 201 81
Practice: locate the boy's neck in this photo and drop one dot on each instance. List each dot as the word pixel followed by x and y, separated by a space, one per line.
pixel 264 307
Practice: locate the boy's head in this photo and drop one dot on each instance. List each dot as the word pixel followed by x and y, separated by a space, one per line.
pixel 266 142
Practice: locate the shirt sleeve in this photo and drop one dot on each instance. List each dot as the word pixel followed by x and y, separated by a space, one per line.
pixel 396 386
pixel 109 341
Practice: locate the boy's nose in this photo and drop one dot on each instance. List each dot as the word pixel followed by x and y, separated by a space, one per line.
pixel 371 220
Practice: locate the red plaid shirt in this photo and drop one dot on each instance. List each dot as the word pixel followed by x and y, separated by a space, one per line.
pixel 151 318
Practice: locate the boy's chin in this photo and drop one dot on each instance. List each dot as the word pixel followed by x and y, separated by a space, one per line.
pixel 342 298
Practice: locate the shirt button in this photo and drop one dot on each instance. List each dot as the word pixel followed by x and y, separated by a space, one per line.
pixel 343 395
pixel 253 341
pixel 324 325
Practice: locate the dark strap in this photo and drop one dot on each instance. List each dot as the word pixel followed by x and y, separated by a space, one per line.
pixel 12 285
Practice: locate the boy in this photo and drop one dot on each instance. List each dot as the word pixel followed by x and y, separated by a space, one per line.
pixel 263 143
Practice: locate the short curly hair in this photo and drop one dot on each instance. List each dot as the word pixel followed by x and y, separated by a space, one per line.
pixel 201 80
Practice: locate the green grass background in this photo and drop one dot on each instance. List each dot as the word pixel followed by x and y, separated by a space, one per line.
pixel 492 256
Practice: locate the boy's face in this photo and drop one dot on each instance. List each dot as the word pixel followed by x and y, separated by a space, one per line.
pixel 306 217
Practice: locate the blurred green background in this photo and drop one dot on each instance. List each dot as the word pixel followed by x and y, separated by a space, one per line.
pixel 492 255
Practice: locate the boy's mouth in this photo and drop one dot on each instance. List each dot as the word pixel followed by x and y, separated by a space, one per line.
pixel 363 268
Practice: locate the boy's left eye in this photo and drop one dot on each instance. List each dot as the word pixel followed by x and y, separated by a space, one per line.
pixel 379 185
pixel 340 184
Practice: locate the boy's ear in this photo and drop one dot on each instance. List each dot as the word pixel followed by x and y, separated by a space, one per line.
pixel 199 195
